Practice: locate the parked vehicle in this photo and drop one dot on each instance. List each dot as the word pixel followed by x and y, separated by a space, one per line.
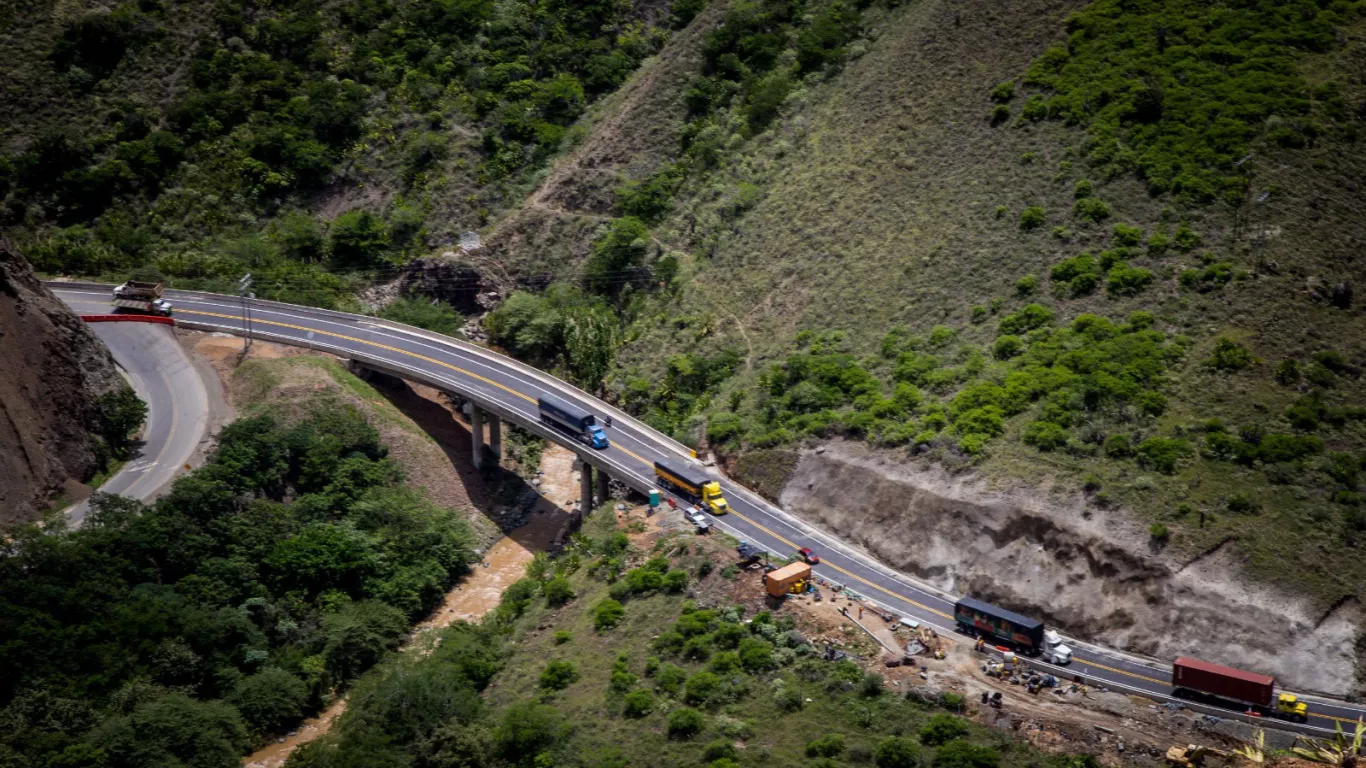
pixel 141 296
pixel 1055 650
pixel 698 518
pixel 976 618
pixel 790 579
pixel 749 553
pixel 693 484
pixel 809 557
pixel 1193 678
pixel 571 418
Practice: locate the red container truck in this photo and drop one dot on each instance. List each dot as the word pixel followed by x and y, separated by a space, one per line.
pixel 1257 692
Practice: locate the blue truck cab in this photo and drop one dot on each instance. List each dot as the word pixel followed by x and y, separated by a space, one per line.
pixel 569 417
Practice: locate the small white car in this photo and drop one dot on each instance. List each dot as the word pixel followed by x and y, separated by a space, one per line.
pixel 698 519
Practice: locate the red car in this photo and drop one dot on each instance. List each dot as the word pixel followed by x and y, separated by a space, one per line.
pixel 809 557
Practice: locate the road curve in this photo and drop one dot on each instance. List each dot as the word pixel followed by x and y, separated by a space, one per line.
pixel 509 388
pixel 177 406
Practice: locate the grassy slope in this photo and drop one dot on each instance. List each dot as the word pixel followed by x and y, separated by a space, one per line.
pixel 779 737
pixel 879 208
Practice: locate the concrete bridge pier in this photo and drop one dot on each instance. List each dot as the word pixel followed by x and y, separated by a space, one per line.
pixel 495 437
pixel 585 487
pixel 600 486
pixel 476 436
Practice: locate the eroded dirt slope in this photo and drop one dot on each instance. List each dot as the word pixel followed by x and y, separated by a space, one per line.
pixel 1092 574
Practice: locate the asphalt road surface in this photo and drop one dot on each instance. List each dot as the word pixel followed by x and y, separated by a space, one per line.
pixel 512 387
pixel 177 404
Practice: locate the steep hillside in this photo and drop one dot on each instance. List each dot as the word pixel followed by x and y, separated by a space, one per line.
pixel 315 144
pixel 57 385
pixel 1099 253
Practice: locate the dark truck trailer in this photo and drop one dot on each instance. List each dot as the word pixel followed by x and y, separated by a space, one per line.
pixel 568 416
pixel 978 618
pixel 1193 676
pixel 693 483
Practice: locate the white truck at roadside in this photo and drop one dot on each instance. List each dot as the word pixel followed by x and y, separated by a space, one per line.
pixel 1055 650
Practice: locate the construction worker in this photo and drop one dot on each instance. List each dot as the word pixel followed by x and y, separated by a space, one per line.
pixel 981 645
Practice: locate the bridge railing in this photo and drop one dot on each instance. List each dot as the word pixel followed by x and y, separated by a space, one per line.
pixel 546 380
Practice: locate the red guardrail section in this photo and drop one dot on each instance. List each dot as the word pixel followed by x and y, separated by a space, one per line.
pixel 128 319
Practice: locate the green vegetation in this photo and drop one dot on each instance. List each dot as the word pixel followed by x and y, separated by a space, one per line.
pixel 483 696
pixel 272 104
pixel 245 598
pixel 1177 91
pixel 562 329
pixel 118 415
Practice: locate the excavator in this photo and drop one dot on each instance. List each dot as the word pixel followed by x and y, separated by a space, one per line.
pixel 1192 755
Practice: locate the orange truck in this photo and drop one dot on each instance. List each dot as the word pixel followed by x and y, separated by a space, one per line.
pixel 788 579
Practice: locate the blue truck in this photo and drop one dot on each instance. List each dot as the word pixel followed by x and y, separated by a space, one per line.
pixel 574 419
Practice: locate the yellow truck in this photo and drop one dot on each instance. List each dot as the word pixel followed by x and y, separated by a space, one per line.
pixel 693 484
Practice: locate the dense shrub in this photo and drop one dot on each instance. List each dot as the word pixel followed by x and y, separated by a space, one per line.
pixel 1162 453
pixel 558 591
pixel 1028 318
pixel 963 754
pixel 357 239
pixel 558 675
pixel 638 704
pixel 896 752
pixel 829 745
pixel 1077 276
pixel 1127 235
pixel 1032 217
pixel 1091 209
pixel 560 327
pixel 607 614
pixel 1229 355
pixel 685 722
pixel 1125 280
pixel 270 699
pixel 941 728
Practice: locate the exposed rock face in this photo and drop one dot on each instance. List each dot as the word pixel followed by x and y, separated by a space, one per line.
pixel 1095 577
pixel 450 281
pixel 52 369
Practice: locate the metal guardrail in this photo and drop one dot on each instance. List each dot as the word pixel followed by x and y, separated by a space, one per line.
pixel 127 319
pixel 638 483
pixel 545 379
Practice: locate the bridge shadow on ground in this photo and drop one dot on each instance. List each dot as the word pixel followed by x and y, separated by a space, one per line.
pixel 530 518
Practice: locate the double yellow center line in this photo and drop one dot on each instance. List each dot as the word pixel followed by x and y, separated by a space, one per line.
pixel 637 457
pixel 397 350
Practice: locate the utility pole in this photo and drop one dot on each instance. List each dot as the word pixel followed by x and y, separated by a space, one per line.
pixel 242 291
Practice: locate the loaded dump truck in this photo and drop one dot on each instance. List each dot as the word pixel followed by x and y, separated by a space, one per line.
pixel 1193 678
pixel 582 424
pixel 981 619
pixel 141 296
pixel 692 483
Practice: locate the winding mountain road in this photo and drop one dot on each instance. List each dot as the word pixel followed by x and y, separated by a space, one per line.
pixel 178 407
pixel 510 389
